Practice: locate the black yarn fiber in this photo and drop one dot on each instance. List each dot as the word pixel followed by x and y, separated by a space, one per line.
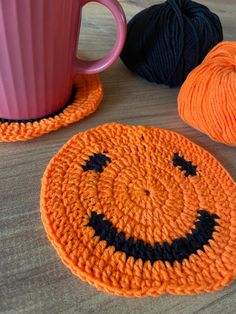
pixel 97 163
pixel 166 41
pixel 179 250
pixel 184 165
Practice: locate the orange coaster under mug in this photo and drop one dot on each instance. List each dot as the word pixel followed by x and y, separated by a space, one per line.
pixel 87 95
pixel 141 211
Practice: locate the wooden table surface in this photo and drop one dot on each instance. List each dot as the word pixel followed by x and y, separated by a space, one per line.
pixel 32 277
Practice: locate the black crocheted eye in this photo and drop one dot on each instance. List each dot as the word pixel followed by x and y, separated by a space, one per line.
pixel 184 165
pixel 97 163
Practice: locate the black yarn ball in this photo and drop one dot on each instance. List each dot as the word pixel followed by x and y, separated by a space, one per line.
pixel 167 41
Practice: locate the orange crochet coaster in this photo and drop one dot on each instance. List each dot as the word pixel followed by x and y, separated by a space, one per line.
pixel 86 97
pixel 140 211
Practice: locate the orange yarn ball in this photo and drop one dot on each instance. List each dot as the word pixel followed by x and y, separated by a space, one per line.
pixel 207 99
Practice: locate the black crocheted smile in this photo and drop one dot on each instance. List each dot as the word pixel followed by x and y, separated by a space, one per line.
pixel 178 250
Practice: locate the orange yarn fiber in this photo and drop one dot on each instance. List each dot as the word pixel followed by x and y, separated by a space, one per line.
pixel 141 211
pixel 207 99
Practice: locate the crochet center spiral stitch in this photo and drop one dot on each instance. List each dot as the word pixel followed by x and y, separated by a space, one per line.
pixel 141 211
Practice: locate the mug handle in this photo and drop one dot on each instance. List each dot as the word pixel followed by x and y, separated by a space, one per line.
pixel 96 66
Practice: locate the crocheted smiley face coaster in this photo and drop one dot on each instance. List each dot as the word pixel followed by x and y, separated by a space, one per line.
pixel 86 97
pixel 140 211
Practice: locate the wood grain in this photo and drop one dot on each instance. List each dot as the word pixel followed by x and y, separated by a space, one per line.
pixel 32 277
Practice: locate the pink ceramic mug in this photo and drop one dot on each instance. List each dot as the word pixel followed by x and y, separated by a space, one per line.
pixel 38 42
